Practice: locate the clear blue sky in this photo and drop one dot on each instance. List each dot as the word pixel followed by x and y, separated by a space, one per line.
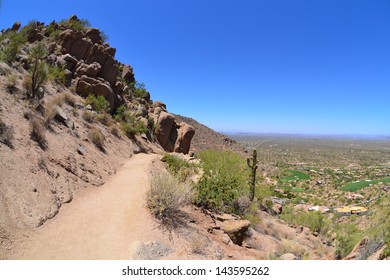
pixel 289 66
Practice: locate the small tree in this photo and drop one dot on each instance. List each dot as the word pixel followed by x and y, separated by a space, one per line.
pixel 252 164
pixel 38 73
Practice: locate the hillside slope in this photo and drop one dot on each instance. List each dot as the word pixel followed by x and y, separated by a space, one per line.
pixel 206 138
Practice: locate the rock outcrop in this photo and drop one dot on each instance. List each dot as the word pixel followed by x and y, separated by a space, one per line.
pixel 173 136
pixel 236 230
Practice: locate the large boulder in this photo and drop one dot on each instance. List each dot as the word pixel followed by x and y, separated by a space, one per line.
pixel 173 137
pixel 90 70
pixel 98 87
pixel 236 230
pixel 128 74
pixel 110 70
pixel 16 26
pixel 185 135
pixel 93 34
pixel 165 125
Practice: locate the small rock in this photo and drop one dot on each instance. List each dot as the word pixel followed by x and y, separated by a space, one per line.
pixel 315 234
pixel 88 107
pixel 226 239
pixel 81 150
pixel 288 257
pixel 277 208
pixel 79 105
pixel 225 217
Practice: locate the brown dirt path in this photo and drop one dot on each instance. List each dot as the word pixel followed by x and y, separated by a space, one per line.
pixel 103 223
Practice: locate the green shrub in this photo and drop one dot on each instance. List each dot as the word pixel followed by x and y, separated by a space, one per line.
pixel 6 134
pixel 223 181
pixel 120 113
pixel 97 138
pixel 179 167
pixel 314 220
pixel 347 236
pixel 12 49
pixel 38 72
pixel 165 198
pixel 76 24
pixel 138 89
pixel 57 74
pixel 131 126
pixel 98 103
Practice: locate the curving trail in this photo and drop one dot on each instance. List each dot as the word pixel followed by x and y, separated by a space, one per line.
pixel 103 223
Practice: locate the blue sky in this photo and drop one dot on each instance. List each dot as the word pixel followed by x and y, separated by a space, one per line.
pixel 283 66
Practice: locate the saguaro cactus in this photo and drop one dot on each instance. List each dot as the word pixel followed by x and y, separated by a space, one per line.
pixel 252 164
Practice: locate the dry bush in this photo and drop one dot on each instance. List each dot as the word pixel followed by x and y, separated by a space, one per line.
pixel 198 243
pixel 88 116
pixel 104 119
pixel 6 134
pixel 165 198
pixel 69 99
pixel 11 83
pixel 115 131
pixel 97 138
pixel 289 246
pixel 38 132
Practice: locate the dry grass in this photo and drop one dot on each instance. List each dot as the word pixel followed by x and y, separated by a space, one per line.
pixel 88 116
pixel 115 131
pixel 290 246
pixel 165 198
pixel 97 138
pixel 198 243
pixel 6 134
pixel 38 132
pixel 105 119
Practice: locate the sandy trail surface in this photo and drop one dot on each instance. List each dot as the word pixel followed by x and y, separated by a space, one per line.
pixel 102 223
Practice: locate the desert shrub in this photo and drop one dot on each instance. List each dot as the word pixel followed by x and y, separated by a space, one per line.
pixel 38 72
pixel 6 134
pixel 179 167
pixel 76 24
pixel 57 74
pixel 97 138
pixel 88 116
pixel 98 103
pixel 347 236
pixel 314 220
pixel 120 113
pixel 11 83
pixel 166 196
pixel 69 99
pixel 104 36
pixel 223 181
pixel 104 119
pixel 38 132
pixel 131 126
pixel 290 246
pixel 53 32
pixel 138 89
pixel 115 130
pixel 12 49
pixel 378 232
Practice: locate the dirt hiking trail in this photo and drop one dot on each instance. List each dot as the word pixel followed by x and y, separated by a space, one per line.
pixel 102 223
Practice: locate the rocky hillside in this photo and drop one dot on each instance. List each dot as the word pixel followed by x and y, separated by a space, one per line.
pixel 206 138
pixel 70 114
